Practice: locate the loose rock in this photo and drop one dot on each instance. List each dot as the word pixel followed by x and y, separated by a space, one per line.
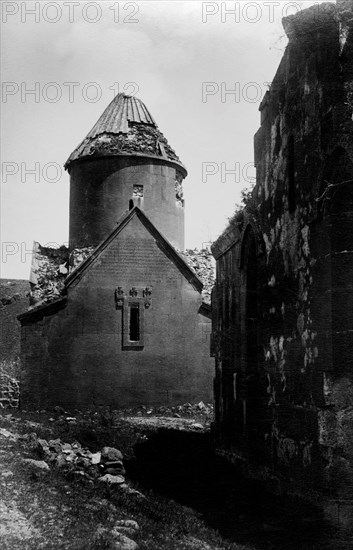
pixel 7 474
pixel 122 542
pixel 111 454
pixel 126 527
pixel 96 458
pixel 7 434
pixel 38 464
pixel 108 478
pixel 197 426
pixel 133 492
pixel 111 462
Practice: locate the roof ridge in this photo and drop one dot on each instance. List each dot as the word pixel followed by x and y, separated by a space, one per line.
pixel 163 243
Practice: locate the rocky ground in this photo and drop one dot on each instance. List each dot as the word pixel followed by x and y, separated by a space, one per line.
pixel 139 479
pixel 57 493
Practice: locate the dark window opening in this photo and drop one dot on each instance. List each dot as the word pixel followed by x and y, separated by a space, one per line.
pixel 291 175
pixel 137 191
pixel 134 322
pixel 131 204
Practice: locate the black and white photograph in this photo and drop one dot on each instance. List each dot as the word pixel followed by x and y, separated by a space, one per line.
pixel 176 275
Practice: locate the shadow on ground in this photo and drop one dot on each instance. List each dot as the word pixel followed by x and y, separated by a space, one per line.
pixel 182 466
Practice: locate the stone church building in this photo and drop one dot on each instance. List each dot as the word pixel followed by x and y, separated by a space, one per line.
pixel 283 301
pixel 119 318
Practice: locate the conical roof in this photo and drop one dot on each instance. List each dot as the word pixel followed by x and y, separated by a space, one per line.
pixel 125 127
pixel 122 110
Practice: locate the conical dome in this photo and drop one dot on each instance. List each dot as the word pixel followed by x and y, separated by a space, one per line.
pixel 126 126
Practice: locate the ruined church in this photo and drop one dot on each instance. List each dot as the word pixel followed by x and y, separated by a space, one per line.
pixel 282 305
pixel 119 318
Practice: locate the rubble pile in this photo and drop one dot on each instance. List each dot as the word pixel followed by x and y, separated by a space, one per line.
pixel 78 255
pixel 111 465
pixel 48 272
pixel 200 409
pixel 106 465
pixel 203 263
pixel 50 267
pixel 121 533
pixel 141 138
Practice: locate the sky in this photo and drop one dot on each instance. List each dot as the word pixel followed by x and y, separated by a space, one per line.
pixel 201 68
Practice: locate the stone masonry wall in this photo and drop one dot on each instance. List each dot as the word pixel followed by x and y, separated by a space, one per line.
pixel 283 302
pixel 75 351
pixel 9 392
pixel 13 300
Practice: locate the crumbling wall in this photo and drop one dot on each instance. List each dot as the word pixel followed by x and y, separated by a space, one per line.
pixel 77 353
pixel 203 263
pixel 140 138
pixel 283 320
pixel 48 272
pixel 49 269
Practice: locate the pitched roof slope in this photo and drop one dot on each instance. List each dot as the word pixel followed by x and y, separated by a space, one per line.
pixel 126 126
pixel 49 282
pixel 163 244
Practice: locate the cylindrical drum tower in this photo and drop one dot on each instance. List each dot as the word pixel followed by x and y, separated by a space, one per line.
pixel 124 161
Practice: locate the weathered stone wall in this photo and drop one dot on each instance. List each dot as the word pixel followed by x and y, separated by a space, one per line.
pixel 73 350
pixel 13 300
pixel 102 189
pixel 9 391
pixel 283 303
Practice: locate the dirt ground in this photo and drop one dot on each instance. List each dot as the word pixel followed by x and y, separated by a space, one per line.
pixel 51 509
pixel 181 496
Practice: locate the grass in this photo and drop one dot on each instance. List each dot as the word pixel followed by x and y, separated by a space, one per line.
pixel 70 512
pixel 193 500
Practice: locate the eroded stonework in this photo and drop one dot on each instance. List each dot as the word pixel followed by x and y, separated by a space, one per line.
pixel 118 318
pixel 283 301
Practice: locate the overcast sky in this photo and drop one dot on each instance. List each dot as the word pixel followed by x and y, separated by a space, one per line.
pixel 183 59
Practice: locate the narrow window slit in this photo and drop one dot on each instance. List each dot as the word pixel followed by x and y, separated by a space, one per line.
pixel 134 322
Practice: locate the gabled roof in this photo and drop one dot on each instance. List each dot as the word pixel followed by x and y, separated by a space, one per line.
pixel 162 243
pixel 125 127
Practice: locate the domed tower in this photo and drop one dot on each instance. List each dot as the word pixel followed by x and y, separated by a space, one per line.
pixel 124 161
